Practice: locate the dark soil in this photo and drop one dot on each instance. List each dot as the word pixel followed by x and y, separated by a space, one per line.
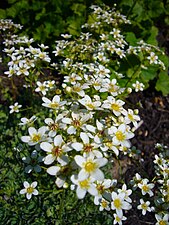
pixel 154 111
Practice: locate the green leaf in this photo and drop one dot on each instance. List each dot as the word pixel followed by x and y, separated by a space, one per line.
pixel 163 83
pixel 131 38
pixel 2 14
pixel 149 74
pixel 152 38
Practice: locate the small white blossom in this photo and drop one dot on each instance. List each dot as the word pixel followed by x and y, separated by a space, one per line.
pixel 14 108
pixel 144 206
pixel 29 189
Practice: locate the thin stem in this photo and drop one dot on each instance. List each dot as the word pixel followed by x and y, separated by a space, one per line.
pixel 131 9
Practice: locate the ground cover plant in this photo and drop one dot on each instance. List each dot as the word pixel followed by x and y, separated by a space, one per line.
pixel 70 124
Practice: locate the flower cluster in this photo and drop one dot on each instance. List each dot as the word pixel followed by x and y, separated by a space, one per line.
pixel 88 123
pixel 158 189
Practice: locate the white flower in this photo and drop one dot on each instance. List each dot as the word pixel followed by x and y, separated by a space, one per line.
pixel 104 204
pixel 35 136
pixel 41 87
pixel 25 121
pixel 162 219
pixel 153 58
pixel 54 125
pixel 144 206
pixel 110 86
pixel 84 186
pixel 50 84
pixel 130 116
pixel 118 219
pixel 87 147
pixel 114 105
pixel 55 151
pixel 127 193
pixel 121 135
pixel 14 108
pixel 76 122
pixel 118 203
pixel 90 167
pixel 146 188
pixel 138 86
pixel 29 189
pixel 54 104
pixel 89 104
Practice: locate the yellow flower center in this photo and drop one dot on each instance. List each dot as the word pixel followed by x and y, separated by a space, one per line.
pixel 120 135
pixel 84 184
pixel 145 188
pixel 162 222
pixel 109 144
pixel 115 107
pixel 118 219
pixel 130 116
pixel 54 105
pixel 90 105
pixel 104 204
pixel 30 190
pixel 100 188
pixel 117 203
pixel 112 88
pixel 77 89
pixel 90 166
pixel 36 137
pixel 144 206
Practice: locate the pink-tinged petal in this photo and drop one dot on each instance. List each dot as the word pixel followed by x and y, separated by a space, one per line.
pixel 92 190
pixel 26 184
pixel 80 193
pixel 83 175
pixel 35 192
pixel 46 100
pixel 49 159
pixel 98 175
pixel 32 131
pixel 58 140
pixel 34 184
pixel 53 170
pixel 47 147
pixel 28 196
pixel 84 137
pixel 25 139
pixel 77 146
pixel 101 161
pixel 23 191
pixel 79 160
